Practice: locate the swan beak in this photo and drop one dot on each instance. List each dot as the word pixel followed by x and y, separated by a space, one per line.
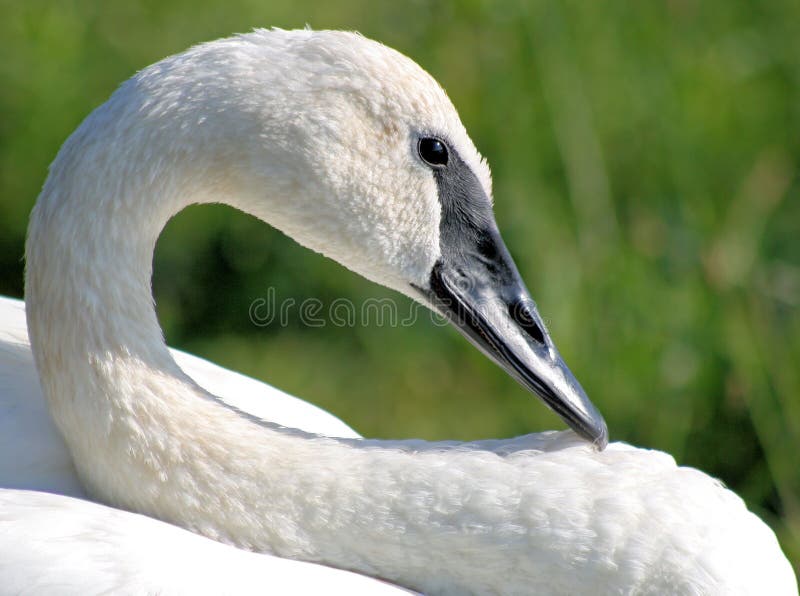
pixel 479 289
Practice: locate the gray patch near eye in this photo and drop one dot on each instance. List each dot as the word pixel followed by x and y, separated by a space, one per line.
pixel 468 231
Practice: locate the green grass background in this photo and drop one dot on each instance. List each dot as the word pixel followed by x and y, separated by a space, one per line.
pixel 645 159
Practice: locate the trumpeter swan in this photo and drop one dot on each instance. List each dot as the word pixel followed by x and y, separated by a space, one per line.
pixel 357 153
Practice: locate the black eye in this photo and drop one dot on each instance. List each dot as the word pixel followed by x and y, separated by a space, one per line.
pixel 432 151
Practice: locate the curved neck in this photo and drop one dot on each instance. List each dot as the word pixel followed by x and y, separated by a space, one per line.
pixel 145 437
pixel 89 256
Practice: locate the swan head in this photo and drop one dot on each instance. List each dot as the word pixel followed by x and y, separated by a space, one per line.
pixel 356 152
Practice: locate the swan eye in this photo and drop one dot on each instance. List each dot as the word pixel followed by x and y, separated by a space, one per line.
pixel 432 151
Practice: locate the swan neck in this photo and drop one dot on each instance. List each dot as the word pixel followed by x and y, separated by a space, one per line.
pixel 105 370
pixel 89 265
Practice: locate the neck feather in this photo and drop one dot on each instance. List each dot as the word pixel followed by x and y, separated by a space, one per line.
pixel 146 437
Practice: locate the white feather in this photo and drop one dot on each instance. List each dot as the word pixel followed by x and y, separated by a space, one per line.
pixel 52 544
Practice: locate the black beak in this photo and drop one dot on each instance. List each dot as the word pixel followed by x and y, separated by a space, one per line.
pixel 475 283
pixel 487 300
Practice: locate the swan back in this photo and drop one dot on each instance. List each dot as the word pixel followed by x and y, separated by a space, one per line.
pixel 52 544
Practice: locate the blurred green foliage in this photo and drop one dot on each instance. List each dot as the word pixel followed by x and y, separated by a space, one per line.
pixel 645 160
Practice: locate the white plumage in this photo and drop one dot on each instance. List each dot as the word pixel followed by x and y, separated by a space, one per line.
pixel 312 132
pixel 53 544
pixel 33 454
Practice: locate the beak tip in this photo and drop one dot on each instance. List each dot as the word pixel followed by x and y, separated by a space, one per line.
pixel 578 411
pixel 600 435
pixel 592 428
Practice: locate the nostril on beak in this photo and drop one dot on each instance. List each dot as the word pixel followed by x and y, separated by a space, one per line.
pixel 521 313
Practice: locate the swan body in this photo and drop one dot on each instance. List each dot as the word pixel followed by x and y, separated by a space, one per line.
pixel 333 139
pixel 64 545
